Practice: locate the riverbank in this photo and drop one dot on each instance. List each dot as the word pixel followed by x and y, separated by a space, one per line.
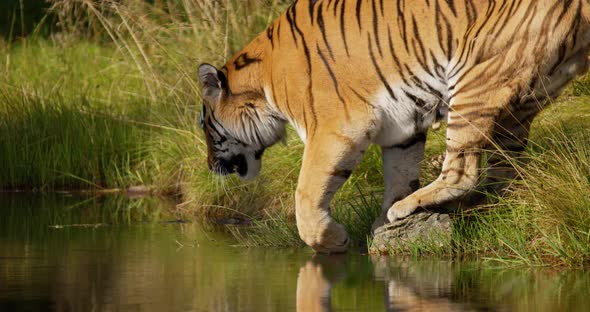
pixel 119 108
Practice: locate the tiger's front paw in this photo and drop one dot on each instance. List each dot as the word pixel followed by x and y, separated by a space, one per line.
pixel 401 209
pixel 325 236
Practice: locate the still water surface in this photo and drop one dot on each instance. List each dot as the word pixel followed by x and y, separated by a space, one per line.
pixel 136 257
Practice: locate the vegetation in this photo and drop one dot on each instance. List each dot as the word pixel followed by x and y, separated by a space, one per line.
pixel 107 98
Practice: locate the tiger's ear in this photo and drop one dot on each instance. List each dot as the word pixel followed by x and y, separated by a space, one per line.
pixel 210 83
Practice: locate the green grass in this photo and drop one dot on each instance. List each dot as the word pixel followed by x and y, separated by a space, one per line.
pixel 111 100
pixel 45 144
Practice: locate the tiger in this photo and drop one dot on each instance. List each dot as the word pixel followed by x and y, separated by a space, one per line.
pixel 346 74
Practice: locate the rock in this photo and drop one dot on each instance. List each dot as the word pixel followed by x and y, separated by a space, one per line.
pixel 425 228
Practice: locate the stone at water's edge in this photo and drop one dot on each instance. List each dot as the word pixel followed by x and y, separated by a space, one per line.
pixel 429 227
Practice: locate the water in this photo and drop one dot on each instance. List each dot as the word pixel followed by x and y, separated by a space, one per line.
pixel 131 254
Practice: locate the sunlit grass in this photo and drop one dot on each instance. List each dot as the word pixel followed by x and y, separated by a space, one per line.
pixel 45 144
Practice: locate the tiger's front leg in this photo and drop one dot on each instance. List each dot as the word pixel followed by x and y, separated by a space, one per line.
pixel 328 161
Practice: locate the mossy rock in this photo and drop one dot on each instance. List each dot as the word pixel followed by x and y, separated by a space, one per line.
pixel 423 228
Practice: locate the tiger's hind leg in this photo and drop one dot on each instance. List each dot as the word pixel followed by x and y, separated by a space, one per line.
pixel 509 140
pixel 401 172
pixel 471 121
pixel 511 134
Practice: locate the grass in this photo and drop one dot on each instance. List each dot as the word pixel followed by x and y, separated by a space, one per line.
pixel 110 99
pixel 44 143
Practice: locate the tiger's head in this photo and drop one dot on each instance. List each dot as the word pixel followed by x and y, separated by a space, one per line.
pixel 238 122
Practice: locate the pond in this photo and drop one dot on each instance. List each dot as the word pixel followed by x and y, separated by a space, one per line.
pixel 108 253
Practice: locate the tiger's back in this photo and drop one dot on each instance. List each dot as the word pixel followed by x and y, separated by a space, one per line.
pixel 415 53
pixel 347 74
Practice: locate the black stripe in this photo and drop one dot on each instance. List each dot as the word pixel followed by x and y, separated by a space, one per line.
pixel 451 4
pixel 564 48
pixel 421 84
pixel 394 56
pixel 520 25
pixel 437 18
pixel 506 20
pixel 243 61
pixel 449 39
pixel 269 35
pixel 465 52
pixel 212 126
pixel 291 23
pixel 334 80
pixel 342 31
pixel 311 9
pixel 374 61
pixel 438 68
pixel 566 5
pixel 362 98
pixel 376 29
pixel 401 21
pixel 421 57
pixel 358 13
pixel 499 16
pixel 472 11
pixel 489 15
pixel 419 138
pixel 439 31
pixel 279 32
pixel 310 77
pixel 336 3
pixel 320 19
pixel 577 20
pixel 419 102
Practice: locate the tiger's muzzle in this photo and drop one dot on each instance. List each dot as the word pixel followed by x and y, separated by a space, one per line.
pixel 236 164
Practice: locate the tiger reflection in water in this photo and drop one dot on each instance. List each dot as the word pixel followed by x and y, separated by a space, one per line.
pixel 406 288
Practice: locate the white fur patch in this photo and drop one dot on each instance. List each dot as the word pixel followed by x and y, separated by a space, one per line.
pixel 268 95
pixel 301 132
pixel 396 118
